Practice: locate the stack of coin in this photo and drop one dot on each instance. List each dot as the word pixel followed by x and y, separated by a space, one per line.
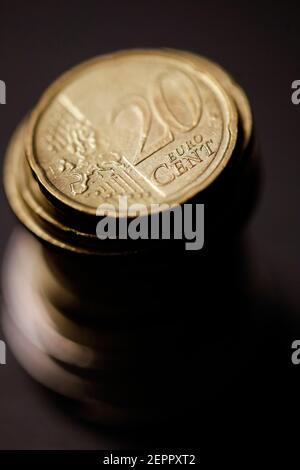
pixel 126 327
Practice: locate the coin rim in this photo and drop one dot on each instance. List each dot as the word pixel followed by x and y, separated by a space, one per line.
pixel 57 86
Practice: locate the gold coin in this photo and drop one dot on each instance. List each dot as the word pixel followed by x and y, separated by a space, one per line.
pixel 150 125
pixel 232 88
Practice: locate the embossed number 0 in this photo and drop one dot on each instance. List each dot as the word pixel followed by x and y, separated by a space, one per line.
pixel 176 107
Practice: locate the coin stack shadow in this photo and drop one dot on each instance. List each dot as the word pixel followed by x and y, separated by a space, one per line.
pixel 135 339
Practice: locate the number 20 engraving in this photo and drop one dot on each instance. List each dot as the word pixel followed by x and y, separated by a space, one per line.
pixel 174 106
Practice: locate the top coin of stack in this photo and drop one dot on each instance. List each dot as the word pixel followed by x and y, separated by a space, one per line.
pixel 157 126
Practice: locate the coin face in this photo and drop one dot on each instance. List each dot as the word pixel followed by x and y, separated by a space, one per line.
pixel 149 125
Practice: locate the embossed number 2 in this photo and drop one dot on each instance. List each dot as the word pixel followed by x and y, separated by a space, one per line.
pixel 175 106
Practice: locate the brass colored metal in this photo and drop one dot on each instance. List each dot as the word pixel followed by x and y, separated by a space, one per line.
pixel 98 320
pixel 118 125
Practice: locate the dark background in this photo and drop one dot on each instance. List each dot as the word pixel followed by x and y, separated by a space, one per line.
pixel 259 43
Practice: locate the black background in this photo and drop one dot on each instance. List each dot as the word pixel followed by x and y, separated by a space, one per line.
pixel 259 43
